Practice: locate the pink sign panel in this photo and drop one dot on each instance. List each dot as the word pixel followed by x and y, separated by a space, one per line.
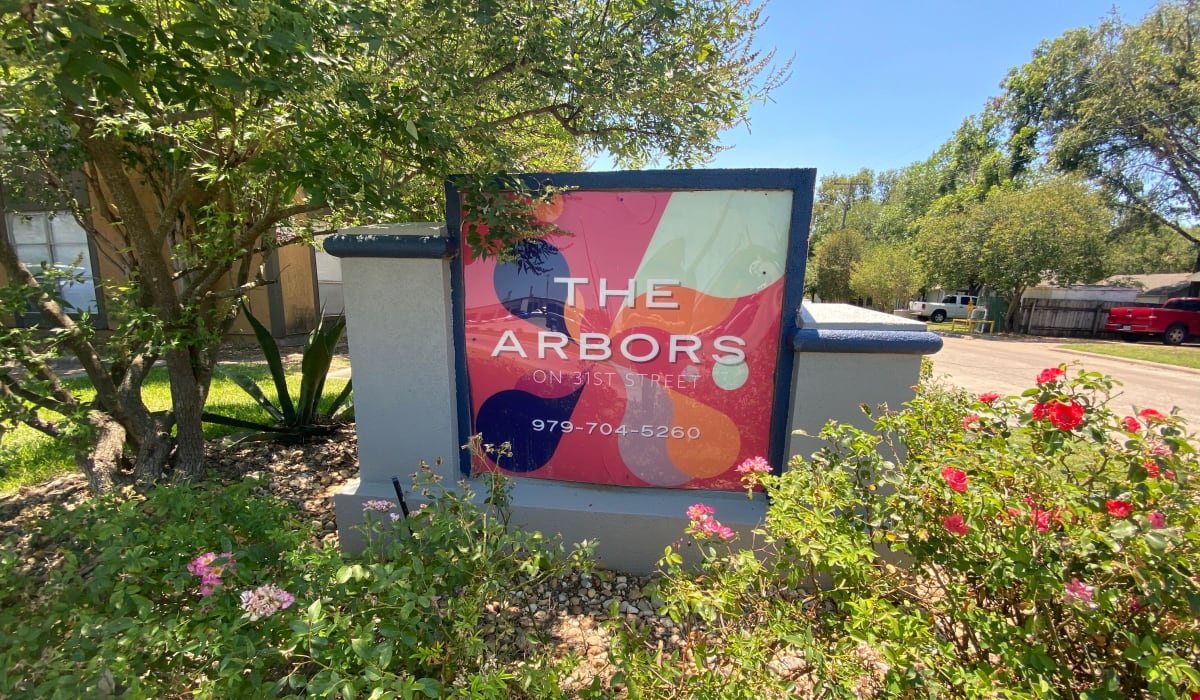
pixel 639 350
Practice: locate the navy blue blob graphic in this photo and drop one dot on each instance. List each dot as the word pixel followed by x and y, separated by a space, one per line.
pixel 508 416
pixel 526 286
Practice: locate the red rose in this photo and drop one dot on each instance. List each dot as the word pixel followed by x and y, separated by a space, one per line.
pixel 1050 375
pixel 1151 416
pixel 969 421
pixel 1043 519
pixel 1040 411
pixel 1131 424
pixel 955 524
pixel 1066 416
pixel 989 397
pixel 1151 468
pixel 956 479
pixel 1118 509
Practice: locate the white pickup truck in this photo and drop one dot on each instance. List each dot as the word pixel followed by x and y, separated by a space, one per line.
pixel 951 306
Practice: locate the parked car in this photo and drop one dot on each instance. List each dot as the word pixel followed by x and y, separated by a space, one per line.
pixel 1177 320
pixel 951 306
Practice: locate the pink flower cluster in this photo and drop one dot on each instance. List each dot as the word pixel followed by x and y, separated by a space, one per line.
pixel 265 601
pixel 378 505
pixel 209 567
pixel 1076 590
pixel 754 465
pixel 703 524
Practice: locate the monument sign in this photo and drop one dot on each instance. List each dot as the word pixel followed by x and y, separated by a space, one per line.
pixel 643 343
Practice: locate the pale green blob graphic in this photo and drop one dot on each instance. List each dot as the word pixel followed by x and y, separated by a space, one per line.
pixel 721 243
pixel 730 377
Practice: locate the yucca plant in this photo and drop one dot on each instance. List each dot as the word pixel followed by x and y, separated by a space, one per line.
pixel 292 419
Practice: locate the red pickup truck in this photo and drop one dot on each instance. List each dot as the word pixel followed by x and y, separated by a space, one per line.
pixel 1176 320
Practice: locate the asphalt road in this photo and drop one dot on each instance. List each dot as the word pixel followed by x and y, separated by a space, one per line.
pixel 1009 366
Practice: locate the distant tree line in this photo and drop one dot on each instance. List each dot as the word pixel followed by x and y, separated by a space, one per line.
pixel 1085 166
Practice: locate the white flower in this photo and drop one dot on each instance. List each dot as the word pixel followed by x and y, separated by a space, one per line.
pixel 265 601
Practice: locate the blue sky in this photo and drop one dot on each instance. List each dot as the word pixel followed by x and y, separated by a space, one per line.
pixel 883 83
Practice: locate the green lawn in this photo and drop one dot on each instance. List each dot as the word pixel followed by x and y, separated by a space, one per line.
pixel 29 457
pixel 1183 356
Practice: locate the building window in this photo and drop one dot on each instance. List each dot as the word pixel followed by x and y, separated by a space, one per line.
pixel 55 239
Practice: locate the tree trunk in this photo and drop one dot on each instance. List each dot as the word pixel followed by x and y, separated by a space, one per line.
pixel 187 402
pixel 153 455
pixel 101 465
pixel 1012 319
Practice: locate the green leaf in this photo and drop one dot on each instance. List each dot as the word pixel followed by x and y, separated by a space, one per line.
pixel 275 362
pixel 1156 542
pixel 248 385
pixel 1123 529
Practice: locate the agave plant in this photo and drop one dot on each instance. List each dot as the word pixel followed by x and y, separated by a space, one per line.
pixel 302 417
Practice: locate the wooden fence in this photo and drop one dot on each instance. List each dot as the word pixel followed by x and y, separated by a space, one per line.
pixel 1066 317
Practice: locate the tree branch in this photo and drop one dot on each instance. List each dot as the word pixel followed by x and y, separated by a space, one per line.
pixel 13 389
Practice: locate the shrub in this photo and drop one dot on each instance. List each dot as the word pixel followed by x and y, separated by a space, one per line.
pixel 113 608
pixel 1032 546
pixel 218 592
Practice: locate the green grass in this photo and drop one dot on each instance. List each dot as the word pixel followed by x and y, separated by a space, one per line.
pixel 29 457
pixel 1150 352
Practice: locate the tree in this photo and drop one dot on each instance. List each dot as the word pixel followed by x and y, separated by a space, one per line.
pixel 1016 238
pixel 203 130
pixel 886 273
pixel 1140 245
pixel 836 256
pixel 840 202
pixel 910 193
pixel 949 247
pixel 1121 103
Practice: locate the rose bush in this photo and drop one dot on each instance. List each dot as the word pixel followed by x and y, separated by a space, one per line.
pixel 1025 546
